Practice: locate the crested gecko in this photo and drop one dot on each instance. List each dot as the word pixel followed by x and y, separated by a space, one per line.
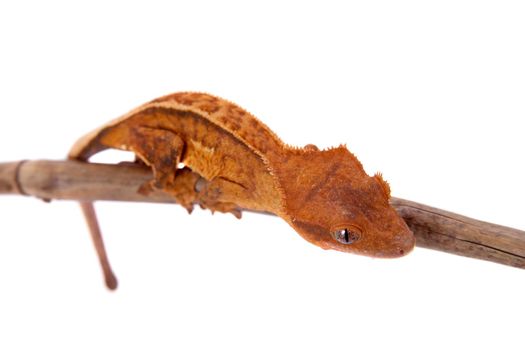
pixel 325 195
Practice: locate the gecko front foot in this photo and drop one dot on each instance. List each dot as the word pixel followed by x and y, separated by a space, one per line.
pixel 223 208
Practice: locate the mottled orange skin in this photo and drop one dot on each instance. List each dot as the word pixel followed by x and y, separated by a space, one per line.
pixel 246 165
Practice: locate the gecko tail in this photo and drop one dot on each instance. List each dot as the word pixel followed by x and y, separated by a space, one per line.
pixel 82 150
pixel 91 218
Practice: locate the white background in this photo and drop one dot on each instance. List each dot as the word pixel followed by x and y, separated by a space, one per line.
pixel 429 93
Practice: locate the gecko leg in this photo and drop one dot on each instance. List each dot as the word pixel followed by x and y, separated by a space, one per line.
pixel 218 195
pixel 161 150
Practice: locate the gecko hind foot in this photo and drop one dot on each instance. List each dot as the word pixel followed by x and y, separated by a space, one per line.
pixel 161 150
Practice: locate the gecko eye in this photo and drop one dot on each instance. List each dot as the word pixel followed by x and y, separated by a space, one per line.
pixel 347 235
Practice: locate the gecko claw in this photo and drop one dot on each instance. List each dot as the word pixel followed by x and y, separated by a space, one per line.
pixel 189 208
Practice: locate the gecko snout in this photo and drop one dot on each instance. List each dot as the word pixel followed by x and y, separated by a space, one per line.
pixel 397 248
pixel 402 244
pixel 397 243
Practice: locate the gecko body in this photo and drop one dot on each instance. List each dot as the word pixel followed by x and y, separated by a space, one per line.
pixel 325 195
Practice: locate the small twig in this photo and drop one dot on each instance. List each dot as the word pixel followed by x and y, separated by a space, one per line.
pixel 434 228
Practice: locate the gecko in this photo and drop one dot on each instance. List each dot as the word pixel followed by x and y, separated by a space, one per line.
pixel 207 150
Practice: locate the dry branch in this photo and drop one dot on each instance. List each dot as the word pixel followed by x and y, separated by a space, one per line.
pixel 434 228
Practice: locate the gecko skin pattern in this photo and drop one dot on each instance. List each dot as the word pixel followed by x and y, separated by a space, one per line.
pixel 232 160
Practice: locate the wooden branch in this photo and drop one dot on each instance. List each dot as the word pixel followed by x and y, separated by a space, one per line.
pixel 434 228
pixel 457 234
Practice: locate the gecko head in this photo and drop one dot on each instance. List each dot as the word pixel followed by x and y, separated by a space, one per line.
pixel 340 207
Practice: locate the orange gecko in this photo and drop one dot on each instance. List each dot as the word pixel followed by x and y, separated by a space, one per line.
pixel 232 160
